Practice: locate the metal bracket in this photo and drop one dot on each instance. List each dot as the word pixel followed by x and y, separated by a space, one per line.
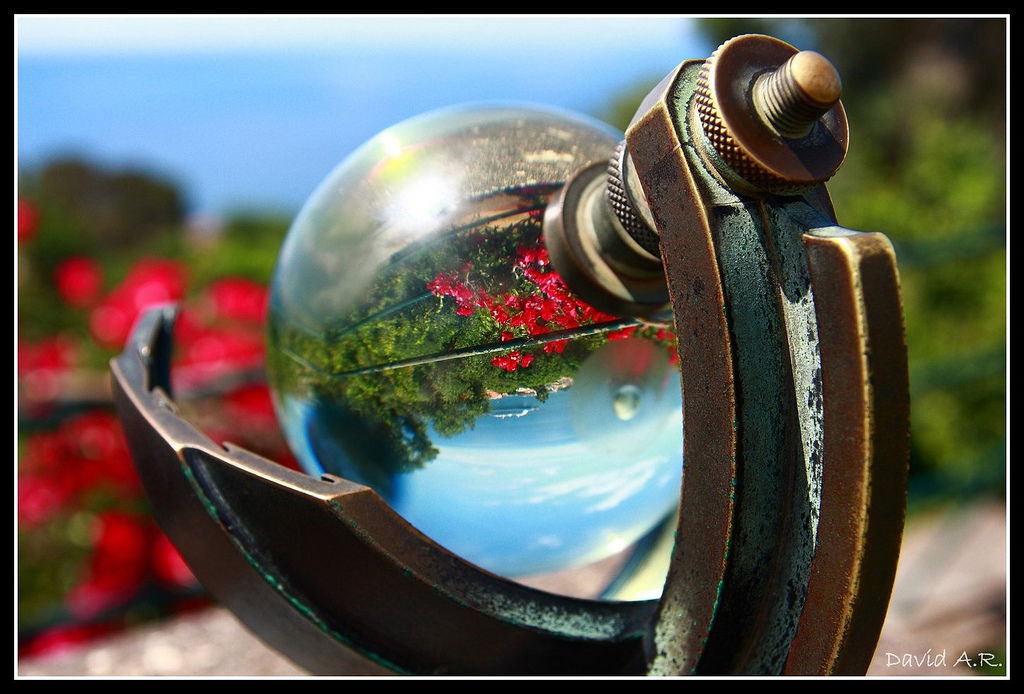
pixel 796 415
pixel 795 410
pixel 317 567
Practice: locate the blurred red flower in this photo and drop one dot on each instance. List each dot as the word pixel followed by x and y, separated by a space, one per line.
pixel 219 349
pixel 189 326
pixel 28 220
pixel 154 281
pixel 87 451
pixel 83 467
pixel 55 353
pixel 149 282
pixel 253 405
pixel 37 500
pixel 78 280
pixel 40 366
pixel 235 298
pixel 213 352
pixel 117 568
pixel 97 437
pixel 63 638
pixel 111 322
pixel 168 566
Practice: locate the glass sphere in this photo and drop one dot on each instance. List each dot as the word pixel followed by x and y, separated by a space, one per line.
pixel 420 343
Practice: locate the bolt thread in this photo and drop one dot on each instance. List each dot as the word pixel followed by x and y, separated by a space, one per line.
pixel 721 140
pixel 786 106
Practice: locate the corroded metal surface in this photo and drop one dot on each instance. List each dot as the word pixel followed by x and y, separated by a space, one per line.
pixel 796 413
pixel 866 408
pixel 755 475
pixel 595 256
pixel 696 575
pixel 319 566
pixel 756 579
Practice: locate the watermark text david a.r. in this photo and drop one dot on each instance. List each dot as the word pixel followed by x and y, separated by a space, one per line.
pixel 942 659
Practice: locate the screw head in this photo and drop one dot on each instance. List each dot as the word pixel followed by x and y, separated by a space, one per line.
pixel 771 113
pixel 792 98
pixel 816 77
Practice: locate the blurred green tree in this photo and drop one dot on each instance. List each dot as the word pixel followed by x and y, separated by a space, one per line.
pixel 405 315
pixel 108 209
pixel 245 246
pixel 90 211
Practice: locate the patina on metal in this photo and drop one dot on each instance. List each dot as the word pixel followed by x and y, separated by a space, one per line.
pixel 316 566
pixel 596 255
pixel 794 370
pixel 796 415
pixel 771 114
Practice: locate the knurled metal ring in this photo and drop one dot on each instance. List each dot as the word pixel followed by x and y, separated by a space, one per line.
pixel 724 105
pixel 622 205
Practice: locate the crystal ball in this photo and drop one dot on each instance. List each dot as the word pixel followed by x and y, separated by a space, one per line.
pixel 420 343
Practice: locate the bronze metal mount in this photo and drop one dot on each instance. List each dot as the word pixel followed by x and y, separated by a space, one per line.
pixel 795 416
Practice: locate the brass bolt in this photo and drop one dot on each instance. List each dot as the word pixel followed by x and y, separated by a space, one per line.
pixel 771 115
pixel 795 95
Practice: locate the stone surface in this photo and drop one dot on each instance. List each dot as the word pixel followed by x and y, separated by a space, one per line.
pixel 950 597
pixel 207 643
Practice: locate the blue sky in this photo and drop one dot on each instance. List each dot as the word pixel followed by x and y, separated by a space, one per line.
pixel 253 112
pixel 105 34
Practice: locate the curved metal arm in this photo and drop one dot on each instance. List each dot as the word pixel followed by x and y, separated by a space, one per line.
pixel 796 414
pixel 316 567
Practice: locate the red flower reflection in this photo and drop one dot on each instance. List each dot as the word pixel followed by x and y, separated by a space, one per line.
pixel 550 307
pixel 513 360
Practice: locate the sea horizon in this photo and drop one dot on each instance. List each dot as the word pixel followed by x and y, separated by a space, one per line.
pixel 258 130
